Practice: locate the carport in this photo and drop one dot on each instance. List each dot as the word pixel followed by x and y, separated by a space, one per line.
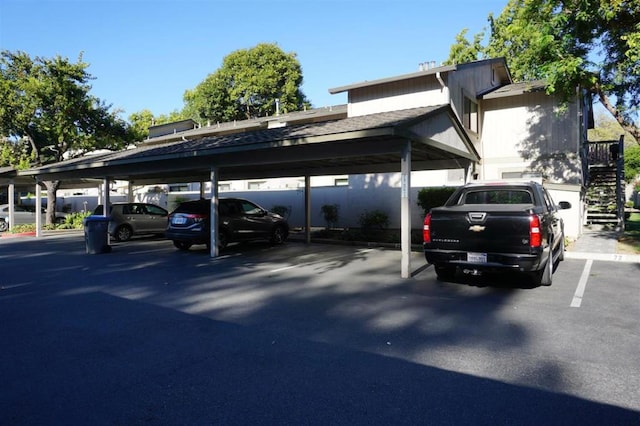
pixel 426 138
pixel 10 179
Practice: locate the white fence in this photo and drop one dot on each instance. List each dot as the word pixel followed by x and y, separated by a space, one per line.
pixel 351 203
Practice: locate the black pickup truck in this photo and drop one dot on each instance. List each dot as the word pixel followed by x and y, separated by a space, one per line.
pixel 496 227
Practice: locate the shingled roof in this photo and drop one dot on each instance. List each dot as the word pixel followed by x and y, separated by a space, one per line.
pixel 369 143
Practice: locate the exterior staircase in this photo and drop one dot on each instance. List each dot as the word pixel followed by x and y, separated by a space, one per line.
pixel 605 189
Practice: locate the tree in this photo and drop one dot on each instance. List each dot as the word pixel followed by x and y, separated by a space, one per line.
pixel 632 163
pixel 142 120
pixel 248 84
pixel 48 115
pixel 593 44
pixel 607 129
pixel 464 51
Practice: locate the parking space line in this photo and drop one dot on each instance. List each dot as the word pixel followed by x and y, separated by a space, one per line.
pixel 326 259
pixel 582 284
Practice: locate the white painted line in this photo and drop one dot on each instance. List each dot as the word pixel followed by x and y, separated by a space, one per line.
pixel 582 284
pixel 283 269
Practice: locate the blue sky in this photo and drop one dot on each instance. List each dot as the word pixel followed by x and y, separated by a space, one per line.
pixel 145 53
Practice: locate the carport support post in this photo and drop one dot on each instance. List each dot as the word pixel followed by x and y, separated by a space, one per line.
pixel 307 209
pixel 130 192
pixel 12 204
pixel 405 211
pixel 38 209
pixel 106 202
pixel 213 214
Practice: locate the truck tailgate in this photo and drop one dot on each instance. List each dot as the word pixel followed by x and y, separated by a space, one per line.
pixel 482 230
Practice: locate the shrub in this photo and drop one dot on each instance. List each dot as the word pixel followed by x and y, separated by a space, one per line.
pixel 330 214
pixel 18 229
pixel 74 220
pixel 429 198
pixel 375 219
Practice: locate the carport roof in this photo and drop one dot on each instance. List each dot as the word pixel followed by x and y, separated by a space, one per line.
pixel 10 175
pixel 364 144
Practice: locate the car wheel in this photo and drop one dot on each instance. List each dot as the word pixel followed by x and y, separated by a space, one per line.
pixel 3 225
pixel 223 240
pixel 278 235
pixel 123 233
pixel 561 250
pixel 182 245
pixel 60 220
pixel 445 273
pixel 545 275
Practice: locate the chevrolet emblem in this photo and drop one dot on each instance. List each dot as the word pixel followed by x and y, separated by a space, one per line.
pixel 477 228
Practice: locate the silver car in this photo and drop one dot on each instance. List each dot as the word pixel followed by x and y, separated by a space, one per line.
pixel 23 215
pixel 128 219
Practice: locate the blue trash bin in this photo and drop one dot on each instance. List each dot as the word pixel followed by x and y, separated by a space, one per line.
pixel 96 234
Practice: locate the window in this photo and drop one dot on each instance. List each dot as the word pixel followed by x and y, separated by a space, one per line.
pixel 250 208
pixel 341 182
pixel 498 196
pixel 224 187
pixel 511 175
pixel 178 188
pixel 470 115
pixel 255 184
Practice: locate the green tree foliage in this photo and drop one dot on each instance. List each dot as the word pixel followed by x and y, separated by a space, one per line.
pixel 247 85
pixel 463 51
pixel 594 44
pixel 142 120
pixel 47 114
pixel 607 129
pixel 632 163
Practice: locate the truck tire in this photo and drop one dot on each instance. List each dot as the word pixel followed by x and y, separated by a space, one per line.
pixel 545 275
pixel 445 272
pixel 561 250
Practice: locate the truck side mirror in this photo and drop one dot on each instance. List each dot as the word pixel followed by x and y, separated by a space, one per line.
pixel 564 205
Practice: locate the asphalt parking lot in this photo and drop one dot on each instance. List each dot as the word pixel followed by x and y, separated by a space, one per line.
pixel 307 334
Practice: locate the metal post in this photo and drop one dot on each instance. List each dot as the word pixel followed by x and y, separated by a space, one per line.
pixel 38 209
pixel 405 211
pixel 307 209
pixel 12 204
pixel 106 201
pixel 214 210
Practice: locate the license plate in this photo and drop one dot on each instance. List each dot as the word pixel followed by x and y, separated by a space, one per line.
pixel 178 221
pixel 477 257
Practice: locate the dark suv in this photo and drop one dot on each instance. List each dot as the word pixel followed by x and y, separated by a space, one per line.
pixel 238 220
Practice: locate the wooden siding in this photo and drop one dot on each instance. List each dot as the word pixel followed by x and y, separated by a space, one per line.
pixel 529 132
pixel 439 129
pixel 416 92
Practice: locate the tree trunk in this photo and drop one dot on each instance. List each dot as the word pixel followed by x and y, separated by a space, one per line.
pixel 52 192
pixel 627 126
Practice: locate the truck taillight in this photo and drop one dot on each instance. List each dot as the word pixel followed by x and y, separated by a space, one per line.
pixel 426 230
pixel 535 233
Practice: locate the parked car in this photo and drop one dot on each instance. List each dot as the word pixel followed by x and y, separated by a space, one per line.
pixel 24 215
pixel 238 220
pixel 129 219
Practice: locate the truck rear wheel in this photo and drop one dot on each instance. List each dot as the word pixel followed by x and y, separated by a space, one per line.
pixel 445 273
pixel 545 275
